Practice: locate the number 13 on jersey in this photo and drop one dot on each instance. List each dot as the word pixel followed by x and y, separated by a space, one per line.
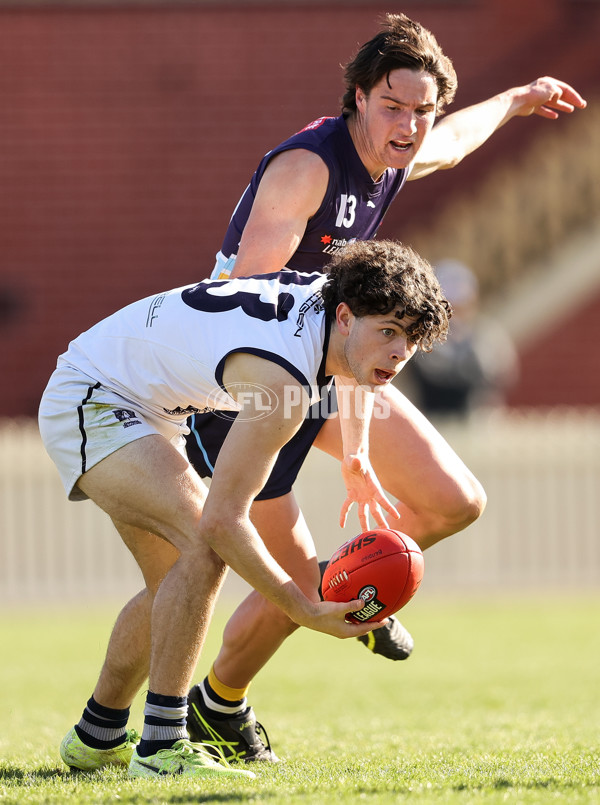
pixel 347 211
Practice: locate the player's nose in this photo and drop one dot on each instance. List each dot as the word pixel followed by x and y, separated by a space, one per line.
pixel 402 351
pixel 407 123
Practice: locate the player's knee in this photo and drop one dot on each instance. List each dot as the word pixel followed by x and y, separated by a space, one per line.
pixel 475 503
pixel 467 506
pixel 202 562
pixel 453 513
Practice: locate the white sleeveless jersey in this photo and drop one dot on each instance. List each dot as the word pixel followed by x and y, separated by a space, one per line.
pixel 166 353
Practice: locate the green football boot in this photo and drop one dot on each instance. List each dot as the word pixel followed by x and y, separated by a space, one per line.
pixel 79 756
pixel 183 759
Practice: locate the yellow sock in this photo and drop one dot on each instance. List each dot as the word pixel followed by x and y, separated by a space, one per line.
pixel 224 691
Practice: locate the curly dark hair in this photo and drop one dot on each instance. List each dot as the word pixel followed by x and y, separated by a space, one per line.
pixel 374 277
pixel 401 43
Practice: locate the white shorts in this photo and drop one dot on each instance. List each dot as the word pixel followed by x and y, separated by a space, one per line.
pixel 81 423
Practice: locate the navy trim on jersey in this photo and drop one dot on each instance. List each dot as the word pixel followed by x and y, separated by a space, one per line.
pixel 85 400
pixel 322 378
pixel 287 276
pixel 269 356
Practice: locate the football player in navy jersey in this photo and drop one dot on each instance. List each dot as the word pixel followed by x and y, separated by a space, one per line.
pixel 113 416
pixel 328 184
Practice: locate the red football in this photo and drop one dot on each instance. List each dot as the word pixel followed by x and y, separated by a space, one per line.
pixel 383 567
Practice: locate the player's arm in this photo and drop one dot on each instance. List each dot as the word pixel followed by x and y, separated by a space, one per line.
pixel 243 466
pixel 355 409
pixel 290 192
pixel 460 133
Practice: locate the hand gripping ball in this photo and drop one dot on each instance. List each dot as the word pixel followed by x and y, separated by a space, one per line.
pixel 383 567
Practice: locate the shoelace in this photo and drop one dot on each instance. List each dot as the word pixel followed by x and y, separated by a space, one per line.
pixel 260 731
pixel 132 736
pixel 206 750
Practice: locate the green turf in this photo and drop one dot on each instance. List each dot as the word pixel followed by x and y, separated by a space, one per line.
pixel 499 703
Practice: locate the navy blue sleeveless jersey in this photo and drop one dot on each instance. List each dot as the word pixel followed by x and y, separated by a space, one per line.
pixel 352 209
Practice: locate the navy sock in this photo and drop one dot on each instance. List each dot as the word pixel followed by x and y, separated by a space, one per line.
pixel 164 723
pixel 102 727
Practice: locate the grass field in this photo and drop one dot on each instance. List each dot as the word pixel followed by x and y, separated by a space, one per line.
pixel 499 703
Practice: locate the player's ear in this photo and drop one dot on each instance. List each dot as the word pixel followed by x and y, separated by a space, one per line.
pixel 360 97
pixel 343 317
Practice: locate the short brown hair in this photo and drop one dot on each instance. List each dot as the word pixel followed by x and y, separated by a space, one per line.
pixel 374 277
pixel 401 43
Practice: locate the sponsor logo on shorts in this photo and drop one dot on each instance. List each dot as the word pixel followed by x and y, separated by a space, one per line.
pixel 126 417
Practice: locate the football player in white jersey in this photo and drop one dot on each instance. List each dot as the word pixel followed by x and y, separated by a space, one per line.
pixel 112 417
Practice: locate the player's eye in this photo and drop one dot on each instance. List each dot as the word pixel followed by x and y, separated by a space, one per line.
pixel 388 332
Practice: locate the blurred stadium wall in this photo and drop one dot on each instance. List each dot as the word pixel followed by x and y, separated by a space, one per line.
pixel 129 130
pixel 539 531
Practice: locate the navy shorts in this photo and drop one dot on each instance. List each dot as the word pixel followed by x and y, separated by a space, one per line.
pixel 208 432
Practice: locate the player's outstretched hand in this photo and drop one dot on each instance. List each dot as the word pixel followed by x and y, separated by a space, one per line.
pixel 364 489
pixel 330 617
pixel 547 97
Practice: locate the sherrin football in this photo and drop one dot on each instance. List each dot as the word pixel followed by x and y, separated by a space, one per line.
pixel 383 567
